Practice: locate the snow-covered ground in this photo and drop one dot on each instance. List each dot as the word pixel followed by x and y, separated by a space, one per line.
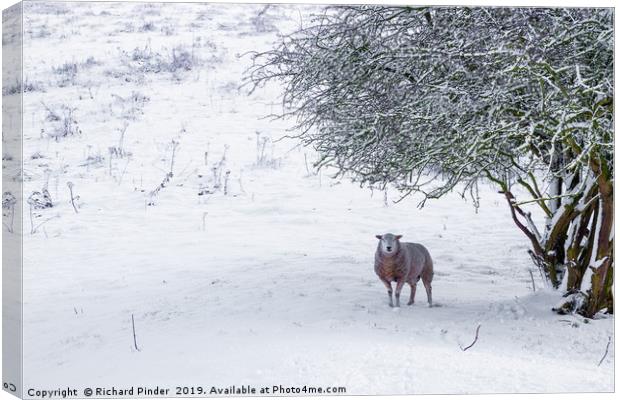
pixel 271 283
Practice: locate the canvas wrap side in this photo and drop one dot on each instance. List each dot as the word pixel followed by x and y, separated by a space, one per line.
pixel 12 200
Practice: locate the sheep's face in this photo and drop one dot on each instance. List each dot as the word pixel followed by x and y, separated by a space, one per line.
pixel 389 243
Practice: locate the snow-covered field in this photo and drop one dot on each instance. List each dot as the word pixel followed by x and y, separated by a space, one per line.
pixel 272 282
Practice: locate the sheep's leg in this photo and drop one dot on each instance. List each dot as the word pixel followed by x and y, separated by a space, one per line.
pixel 399 287
pixel 429 292
pixel 388 285
pixel 412 296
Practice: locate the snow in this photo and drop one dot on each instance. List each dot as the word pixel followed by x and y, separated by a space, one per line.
pixel 273 283
pixel 593 258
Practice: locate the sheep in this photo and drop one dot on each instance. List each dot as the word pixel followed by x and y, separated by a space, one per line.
pixel 403 263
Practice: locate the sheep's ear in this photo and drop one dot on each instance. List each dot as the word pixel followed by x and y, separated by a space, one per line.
pixel 398 237
pixel 379 237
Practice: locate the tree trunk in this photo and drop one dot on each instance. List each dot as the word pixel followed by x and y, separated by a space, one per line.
pixel 600 295
pixel 602 261
pixel 577 255
pixel 578 236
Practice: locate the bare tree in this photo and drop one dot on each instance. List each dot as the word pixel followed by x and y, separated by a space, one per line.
pixel 430 100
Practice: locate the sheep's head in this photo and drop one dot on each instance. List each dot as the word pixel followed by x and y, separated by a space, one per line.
pixel 389 243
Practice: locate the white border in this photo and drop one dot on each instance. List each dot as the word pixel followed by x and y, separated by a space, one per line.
pixel 500 3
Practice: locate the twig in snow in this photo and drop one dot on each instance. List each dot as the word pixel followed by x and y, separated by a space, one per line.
pixel 241 183
pixel 216 184
pixel 606 351
pixel 257 147
pixel 532 277
pixel 133 327
pixel 120 179
pixel 70 185
pixel 204 221
pixel 35 229
pixel 226 182
pixel 155 192
pixel 472 343
pixel 122 138
pixel 207 154
pixel 175 144
pixel 189 164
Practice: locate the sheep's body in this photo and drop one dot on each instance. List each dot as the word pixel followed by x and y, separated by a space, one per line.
pixel 403 263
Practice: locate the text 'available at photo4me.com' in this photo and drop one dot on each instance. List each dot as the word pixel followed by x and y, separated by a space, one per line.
pixel 181 391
